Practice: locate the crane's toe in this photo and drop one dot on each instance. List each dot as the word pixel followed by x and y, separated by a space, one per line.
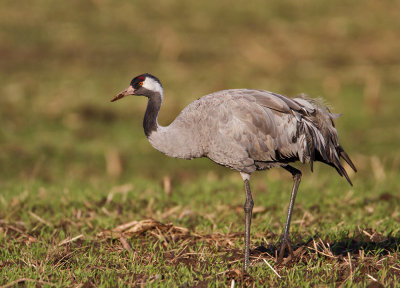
pixel 286 243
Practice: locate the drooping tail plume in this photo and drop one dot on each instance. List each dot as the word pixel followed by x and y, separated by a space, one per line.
pixel 322 137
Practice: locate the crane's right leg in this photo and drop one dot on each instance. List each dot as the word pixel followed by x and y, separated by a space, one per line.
pixel 248 210
pixel 285 241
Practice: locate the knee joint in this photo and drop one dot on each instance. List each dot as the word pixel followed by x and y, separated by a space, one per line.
pixel 248 206
pixel 297 175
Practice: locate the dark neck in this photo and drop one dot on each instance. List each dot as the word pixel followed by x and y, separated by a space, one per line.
pixel 150 123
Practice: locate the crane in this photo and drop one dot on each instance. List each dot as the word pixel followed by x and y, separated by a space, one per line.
pixel 246 130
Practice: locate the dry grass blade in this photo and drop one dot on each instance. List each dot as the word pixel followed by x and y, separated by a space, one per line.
pixel 372 278
pixel 378 168
pixel 149 224
pixel 351 268
pixel 125 243
pixel 170 211
pixel 164 232
pixel 69 240
pixel 125 226
pixel 167 185
pixel 144 226
pixel 258 209
pixel 113 162
pixel 24 235
pixel 269 265
pixel 40 219
pixel 123 190
pixel 22 280
pixel 297 253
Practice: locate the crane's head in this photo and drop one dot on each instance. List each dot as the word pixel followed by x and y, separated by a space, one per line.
pixel 142 85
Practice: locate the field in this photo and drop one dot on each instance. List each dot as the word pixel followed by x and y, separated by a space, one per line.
pixel 85 201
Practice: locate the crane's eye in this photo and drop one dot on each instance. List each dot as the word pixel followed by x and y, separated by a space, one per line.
pixel 141 83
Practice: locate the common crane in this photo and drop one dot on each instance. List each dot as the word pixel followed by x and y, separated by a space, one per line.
pixel 246 130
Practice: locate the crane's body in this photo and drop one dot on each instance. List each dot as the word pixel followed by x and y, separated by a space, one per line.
pixel 249 130
pixel 245 130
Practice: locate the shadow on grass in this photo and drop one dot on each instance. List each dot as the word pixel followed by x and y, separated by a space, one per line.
pixel 351 245
pixel 366 242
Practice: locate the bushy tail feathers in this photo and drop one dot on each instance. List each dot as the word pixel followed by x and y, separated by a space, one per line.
pixel 346 158
pixel 322 138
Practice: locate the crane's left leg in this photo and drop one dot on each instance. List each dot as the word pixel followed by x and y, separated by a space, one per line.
pixel 248 210
pixel 285 241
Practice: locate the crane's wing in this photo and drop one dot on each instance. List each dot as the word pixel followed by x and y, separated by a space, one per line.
pixel 271 129
pixel 261 122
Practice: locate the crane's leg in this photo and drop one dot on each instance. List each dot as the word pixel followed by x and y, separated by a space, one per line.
pixel 285 241
pixel 248 210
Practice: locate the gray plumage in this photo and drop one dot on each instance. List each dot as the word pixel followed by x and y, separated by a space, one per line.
pixel 249 130
pixel 245 130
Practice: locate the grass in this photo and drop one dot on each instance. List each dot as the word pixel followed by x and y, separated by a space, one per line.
pixel 37 226
pixel 74 167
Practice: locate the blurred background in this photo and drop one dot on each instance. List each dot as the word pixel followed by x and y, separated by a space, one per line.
pixel 62 62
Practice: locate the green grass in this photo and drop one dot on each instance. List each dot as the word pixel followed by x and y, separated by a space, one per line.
pixel 73 164
pixel 32 248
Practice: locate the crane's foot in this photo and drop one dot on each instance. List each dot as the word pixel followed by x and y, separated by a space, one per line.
pixel 286 243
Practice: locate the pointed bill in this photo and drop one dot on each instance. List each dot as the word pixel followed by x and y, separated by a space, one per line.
pixel 128 91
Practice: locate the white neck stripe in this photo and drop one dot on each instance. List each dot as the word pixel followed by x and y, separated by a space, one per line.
pixel 153 85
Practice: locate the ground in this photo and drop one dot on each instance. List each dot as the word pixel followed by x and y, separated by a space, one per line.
pixel 85 200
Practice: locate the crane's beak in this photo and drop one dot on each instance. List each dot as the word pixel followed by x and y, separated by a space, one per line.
pixel 128 91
